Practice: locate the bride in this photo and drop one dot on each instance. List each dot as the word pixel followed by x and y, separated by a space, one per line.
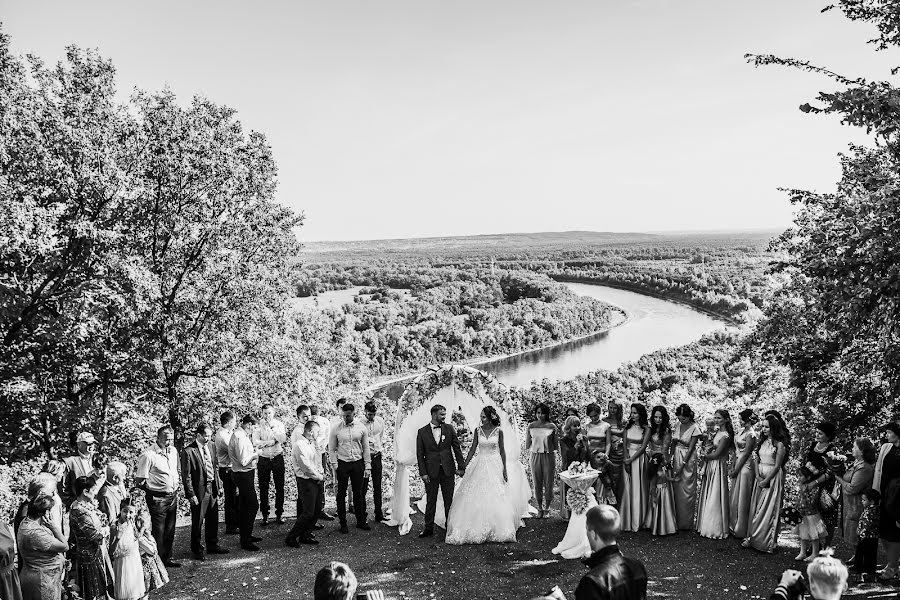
pixel 486 508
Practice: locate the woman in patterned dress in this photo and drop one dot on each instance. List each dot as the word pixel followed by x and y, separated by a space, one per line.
pixel 91 535
pixel 684 466
pixel 743 474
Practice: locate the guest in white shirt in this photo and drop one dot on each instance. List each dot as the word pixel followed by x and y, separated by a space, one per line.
pixel 348 446
pixel 243 470
pixel 221 441
pixel 268 438
pixel 310 485
pixel 322 444
pixel 157 474
pixel 80 465
pixel 375 429
pixel 303 415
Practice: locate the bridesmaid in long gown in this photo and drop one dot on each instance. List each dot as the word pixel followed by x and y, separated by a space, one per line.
pixel 615 417
pixel 635 492
pixel 599 437
pixel 684 465
pixel 713 519
pixel 768 489
pixel 743 474
pixel 660 432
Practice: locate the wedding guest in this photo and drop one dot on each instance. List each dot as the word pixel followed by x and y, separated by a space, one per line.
pixel 887 482
pixel 335 582
pixel 571 412
pixel 811 529
pixel 635 492
pixel 303 417
pixel 310 486
pixel 10 587
pixel 126 555
pixel 243 469
pixel 157 475
pixel 684 465
pixel 768 489
pixel 155 574
pixel 91 538
pixel 322 446
pixel 854 482
pixel 661 514
pixel 866 555
pixel 222 439
pixel 55 470
pixel 348 447
pixel 46 484
pixel 113 491
pixel 375 428
pixel 706 439
pixel 660 432
pixel 615 417
pixel 743 473
pixel 200 478
pixel 267 439
pixel 713 519
pixel 824 436
pixel 612 575
pixel 41 545
pixel 334 423
pixel 79 465
pixel 572 448
pixel 541 443
pixel 599 436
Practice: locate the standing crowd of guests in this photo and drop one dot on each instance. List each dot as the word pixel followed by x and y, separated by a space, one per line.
pixel 82 532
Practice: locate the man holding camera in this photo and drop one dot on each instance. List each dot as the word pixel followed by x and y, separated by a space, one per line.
pixel 613 576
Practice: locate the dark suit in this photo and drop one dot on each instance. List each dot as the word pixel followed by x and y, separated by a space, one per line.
pixel 436 461
pixel 206 491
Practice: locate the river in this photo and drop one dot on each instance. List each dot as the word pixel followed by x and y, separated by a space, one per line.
pixel 653 324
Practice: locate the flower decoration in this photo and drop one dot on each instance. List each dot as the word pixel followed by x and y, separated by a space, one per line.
pixel 578 501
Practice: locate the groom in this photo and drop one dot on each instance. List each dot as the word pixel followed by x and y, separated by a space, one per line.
pixel 436 446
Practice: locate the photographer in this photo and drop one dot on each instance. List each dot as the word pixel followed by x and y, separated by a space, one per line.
pixel 337 582
pixel 827 580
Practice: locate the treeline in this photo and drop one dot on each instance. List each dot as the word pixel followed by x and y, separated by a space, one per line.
pixel 477 314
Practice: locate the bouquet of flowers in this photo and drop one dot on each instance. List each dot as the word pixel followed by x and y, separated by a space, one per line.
pixel 577 468
pixel 837 462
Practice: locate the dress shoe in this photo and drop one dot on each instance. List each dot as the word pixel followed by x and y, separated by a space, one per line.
pixel 292 542
pixel 324 516
pixel 255 539
pixel 318 527
pixel 231 530
pixel 265 521
pixel 344 528
pixel 250 547
pixel 308 540
pixel 280 520
pixel 379 518
pixel 218 550
pixel 427 532
pixel 200 556
pixel 364 526
pixel 171 564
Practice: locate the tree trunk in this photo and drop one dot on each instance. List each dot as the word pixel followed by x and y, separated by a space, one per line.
pixel 174 417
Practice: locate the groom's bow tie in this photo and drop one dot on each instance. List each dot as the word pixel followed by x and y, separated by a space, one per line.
pixel 436 426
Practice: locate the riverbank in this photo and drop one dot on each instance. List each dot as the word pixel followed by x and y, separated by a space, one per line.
pixel 387 380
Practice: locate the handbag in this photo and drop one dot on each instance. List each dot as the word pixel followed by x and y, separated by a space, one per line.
pixel 826 500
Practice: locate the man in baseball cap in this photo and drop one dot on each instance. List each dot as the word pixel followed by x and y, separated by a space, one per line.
pixel 79 465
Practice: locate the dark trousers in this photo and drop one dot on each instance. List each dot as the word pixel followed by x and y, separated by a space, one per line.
pixel 247 505
pixel 320 500
pixel 228 488
pixel 273 467
pixel 866 555
pixel 310 493
pixel 163 510
pixel 205 514
pixel 377 470
pixel 446 483
pixel 352 472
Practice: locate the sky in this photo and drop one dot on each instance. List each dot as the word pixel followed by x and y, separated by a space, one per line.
pixel 395 119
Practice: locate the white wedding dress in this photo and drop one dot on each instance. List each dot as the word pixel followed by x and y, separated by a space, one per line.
pixel 485 507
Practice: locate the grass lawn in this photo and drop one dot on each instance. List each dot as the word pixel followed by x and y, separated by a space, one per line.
pixel 680 566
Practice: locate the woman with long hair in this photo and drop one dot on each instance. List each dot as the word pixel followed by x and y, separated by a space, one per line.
pixel 541 441
pixel 684 466
pixel 660 432
pixel 635 492
pixel 713 517
pixel 615 417
pixel 768 489
pixel 742 474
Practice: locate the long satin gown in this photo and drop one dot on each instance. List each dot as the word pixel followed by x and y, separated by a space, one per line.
pixel 596 436
pixel 635 492
pixel 660 519
pixel 616 456
pixel 713 517
pixel 685 489
pixel 766 502
pixel 742 490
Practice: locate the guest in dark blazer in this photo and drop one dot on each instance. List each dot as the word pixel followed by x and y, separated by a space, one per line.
pixel 436 446
pixel 200 476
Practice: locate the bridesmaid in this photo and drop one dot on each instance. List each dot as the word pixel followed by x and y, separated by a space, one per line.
pixel 542 441
pixel 616 418
pixel 599 437
pixel 684 465
pixel 661 513
pixel 635 495
pixel 713 519
pixel 660 432
pixel 743 474
pixel 768 490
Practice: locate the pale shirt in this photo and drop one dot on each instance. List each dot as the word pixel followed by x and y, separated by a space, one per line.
pixel 268 433
pixel 240 451
pixel 540 440
pixel 349 443
pixel 159 468
pixel 307 460
pixel 221 441
pixel 436 431
pixel 80 465
pixel 375 429
pixel 324 432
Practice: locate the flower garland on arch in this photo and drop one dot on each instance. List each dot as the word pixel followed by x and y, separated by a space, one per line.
pixel 473 381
